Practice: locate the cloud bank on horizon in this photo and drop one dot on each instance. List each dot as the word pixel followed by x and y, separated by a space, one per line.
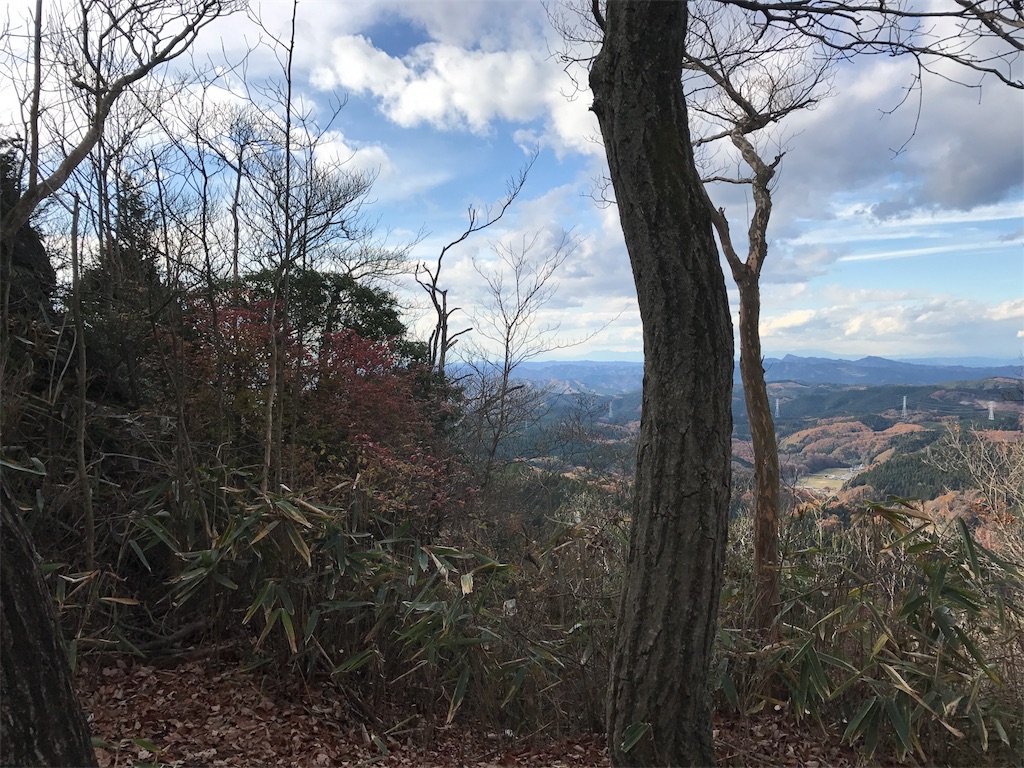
pixel 895 231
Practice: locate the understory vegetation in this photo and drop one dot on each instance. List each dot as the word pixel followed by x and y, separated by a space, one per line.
pixel 265 465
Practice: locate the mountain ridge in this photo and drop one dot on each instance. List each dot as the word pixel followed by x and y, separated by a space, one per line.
pixel 613 377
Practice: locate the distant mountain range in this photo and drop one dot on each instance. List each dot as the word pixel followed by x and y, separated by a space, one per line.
pixel 876 371
pixel 612 377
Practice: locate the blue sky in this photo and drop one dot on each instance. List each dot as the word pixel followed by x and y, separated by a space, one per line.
pixel 902 254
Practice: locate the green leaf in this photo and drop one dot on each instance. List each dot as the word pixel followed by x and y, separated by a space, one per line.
pixel 160 531
pixel 972 552
pixel 355 662
pixel 938 583
pixel 857 724
pixel 517 682
pixel 973 650
pixel 899 722
pixel 448 552
pixel 872 730
pixel 898 681
pixel 289 630
pixel 632 734
pixel 459 695
pixel 944 620
pixel 729 689
pixel 821 681
pixel 311 622
pixel 149 746
pixel 292 513
pixel 381 745
pixel 344 605
pixel 285 598
pixel 1001 731
pixel 879 644
pixel 139 553
pixel 223 580
pixel 266 530
pixel 299 544
pixel 837 661
pixel 912 605
pixel 271 621
pixel 38 470
pixel 259 602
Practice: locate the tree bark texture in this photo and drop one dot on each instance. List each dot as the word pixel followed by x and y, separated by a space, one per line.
pixel 41 722
pixel 766 458
pixel 668 611
pixel 747 275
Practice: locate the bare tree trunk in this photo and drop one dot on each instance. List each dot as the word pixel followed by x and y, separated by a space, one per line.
pixel 766 459
pixel 747 275
pixel 658 706
pixel 37 85
pixel 280 291
pixel 83 472
pixel 41 722
pixel 271 396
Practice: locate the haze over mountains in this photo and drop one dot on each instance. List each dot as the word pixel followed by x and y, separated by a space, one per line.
pixel 613 377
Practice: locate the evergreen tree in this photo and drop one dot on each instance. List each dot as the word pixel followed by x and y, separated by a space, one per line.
pixel 124 296
pixel 27 275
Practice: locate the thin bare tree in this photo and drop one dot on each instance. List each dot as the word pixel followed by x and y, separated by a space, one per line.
pixel 520 283
pixel 110 47
pixel 441 338
pixel 743 81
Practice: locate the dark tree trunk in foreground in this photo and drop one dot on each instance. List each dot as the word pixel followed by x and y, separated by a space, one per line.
pixel 659 677
pixel 41 722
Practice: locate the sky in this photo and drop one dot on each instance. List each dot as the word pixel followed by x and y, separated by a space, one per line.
pixel 895 231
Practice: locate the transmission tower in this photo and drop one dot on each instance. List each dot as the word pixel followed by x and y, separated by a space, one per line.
pixel 904 406
pixel 776 407
pixel 991 411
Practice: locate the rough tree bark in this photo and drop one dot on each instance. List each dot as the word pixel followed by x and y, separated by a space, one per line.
pixel 40 720
pixel 669 604
pixel 747 274
pixel 766 459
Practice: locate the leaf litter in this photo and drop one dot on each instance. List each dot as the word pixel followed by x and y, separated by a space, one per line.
pixel 209 713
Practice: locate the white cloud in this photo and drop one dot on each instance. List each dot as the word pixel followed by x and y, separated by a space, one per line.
pixel 795 319
pixel 1008 310
pixel 906 253
pixel 440 84
pixel 335 149
pixel 453 88
pixel 897 324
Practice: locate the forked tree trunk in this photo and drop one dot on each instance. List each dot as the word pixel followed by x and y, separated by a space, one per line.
pixel 669 606
pixel 747 274
pixel 41 722
pixel 766 459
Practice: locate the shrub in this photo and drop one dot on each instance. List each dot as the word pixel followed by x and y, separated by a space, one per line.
pixel 907 630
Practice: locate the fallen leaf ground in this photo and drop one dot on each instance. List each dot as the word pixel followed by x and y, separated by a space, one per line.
pixel 205 713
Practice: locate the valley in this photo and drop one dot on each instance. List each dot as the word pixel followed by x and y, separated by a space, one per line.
pixel 833 435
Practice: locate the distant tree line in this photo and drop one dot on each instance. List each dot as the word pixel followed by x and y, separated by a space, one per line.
pixel 910 476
